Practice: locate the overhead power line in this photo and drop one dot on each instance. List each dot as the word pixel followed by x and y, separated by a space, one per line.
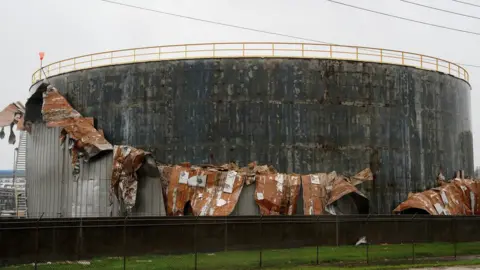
pixel 235 26
pixel 406 19
pixel 466 3
pixel 443 10
pixel 213 22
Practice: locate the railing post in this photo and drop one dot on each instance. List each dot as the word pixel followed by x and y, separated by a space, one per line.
pixel 458 67
pixel 403 58
pixel 111 58
pixel 59 67
pixel 91 60
pixel 421 61
pixel 437 64
pixel 159 53
pixel 74 63
pixel 381 55
pixel 273 49
pixel 448 67
pixel 303 50
pixel 331 52
pixel 357 53
pixel 134 55
pixel 243 49
pixel 213 50
pixel 185 51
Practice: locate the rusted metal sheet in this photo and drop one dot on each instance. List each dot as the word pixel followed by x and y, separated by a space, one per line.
pixel 126 162
pixel 57 112
pixel 210 190
pixel 456 197
pixel 322 191
pixel 220 194
pixel 55 107
pixel 10 116
pixel 277 194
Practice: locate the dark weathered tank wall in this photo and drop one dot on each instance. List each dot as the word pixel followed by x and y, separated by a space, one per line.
pixel 301 115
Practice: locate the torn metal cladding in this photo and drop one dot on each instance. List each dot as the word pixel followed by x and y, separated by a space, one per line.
pixel 457 197
pixel 127 161
pixel 10 116
pixel 323 192
pixel 57 112
pixel 55 107
pixel 215 190
pixel 277 194
pixel 210 190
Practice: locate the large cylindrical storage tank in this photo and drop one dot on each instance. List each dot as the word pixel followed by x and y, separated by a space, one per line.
pixel 299 114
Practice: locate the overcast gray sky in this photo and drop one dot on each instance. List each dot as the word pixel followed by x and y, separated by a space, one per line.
pixel 68 28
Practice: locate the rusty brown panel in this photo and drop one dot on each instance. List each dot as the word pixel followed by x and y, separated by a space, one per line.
pixel 323 189
pixel 55 107
pixel 276 194
pixel 57 112
pixel 456 197
pixel 213 200
pixel 177 194
pixel 126 162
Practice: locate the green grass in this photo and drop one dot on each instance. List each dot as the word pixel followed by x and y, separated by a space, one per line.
pixel 300 258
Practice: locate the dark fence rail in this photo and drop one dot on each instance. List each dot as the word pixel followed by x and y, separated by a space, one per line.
pixel 42 240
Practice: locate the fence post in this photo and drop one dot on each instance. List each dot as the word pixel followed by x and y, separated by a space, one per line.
pixel 195 241
pixel 368 241
pixel 80 240
pixel 261 241
pixel 413 242
pixel 454 233
pixel 336 230
pixel 37 241
pixel 226 233
pixel 125 242
pixel 316 232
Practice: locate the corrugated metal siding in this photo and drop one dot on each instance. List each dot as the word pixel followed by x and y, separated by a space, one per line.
pixel 54 191
pixel 44 174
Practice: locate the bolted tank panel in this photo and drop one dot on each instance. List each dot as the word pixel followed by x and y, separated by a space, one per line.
pixel 300 115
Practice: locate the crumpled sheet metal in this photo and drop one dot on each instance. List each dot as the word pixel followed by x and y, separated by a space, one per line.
pixel 211 190
pixel 10 116
pixel 57 112
pixel 277 194
pixel 55 107
pixel 126 162
pixel 218 197
pixel 253 169
pixel 457 197
pixel 322 190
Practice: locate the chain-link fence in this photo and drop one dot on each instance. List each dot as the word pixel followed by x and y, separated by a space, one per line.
pixel 235 242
